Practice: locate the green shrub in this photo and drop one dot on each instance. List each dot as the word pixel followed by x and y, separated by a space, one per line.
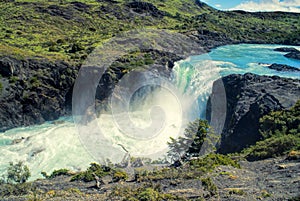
pixel 209 186
pixel 15 189
pixel 119 175
pixel 149 194
pixel 17 173
pixel 57 173
pixel 281 134
pixel 146 192
pixel 13 79
pixel 281 122
pixel 35 82
pixel 211 161
pixel 236 191
pixel 189 145
pixel 87 176
pixel 272 147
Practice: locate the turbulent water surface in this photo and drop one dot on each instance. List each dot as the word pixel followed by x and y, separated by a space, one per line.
pixel 57 145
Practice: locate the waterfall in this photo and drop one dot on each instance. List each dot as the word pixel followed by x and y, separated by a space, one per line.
pixel 164 105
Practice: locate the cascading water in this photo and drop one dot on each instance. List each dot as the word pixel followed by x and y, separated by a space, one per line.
pixel 52 146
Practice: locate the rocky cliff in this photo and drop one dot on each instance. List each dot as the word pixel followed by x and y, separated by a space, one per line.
pixel 34 91
pixel 248 98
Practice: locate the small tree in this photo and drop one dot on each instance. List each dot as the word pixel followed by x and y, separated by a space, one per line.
pixel 17 173
pixel 190 144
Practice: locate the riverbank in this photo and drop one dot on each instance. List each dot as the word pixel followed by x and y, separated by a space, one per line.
pixel 271 179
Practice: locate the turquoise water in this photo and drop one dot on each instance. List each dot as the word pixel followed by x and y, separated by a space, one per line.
pixel 249 58
pixel 52 146
pixel 196 74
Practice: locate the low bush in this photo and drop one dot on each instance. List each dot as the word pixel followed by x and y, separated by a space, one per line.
pixel 57 173
pixel 17 173
pixel 272 147
pixel 147 192
pixel 211 161
pixel 119 175
pixel 281 134
pixel 87 176
pixel 15 189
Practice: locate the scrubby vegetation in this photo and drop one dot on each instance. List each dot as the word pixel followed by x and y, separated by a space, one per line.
pixel 57 173
pixel 70 30
pixel 209 186
pixel 281 134
pixel 17 173
pixel 148 192
pixel 190 144
pixel 99 170
pixel 14 181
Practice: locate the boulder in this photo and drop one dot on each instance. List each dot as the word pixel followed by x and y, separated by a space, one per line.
pixel 286 49
pixel 282 67
pixel 293 55
pixel 9 67
pixel 248 98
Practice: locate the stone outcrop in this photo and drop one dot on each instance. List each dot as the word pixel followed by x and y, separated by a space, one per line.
pixel 282 67
pixel 248 98
pixel 35 91
pixel 293 53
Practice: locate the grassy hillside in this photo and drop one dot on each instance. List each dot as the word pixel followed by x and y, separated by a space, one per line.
pixel 69 30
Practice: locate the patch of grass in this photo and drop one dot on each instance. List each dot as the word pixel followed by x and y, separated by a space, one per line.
pixel 13 79
pixel 236 191
pixel 146 192
pixel 209 186
pixel 191 170
pixel 265 194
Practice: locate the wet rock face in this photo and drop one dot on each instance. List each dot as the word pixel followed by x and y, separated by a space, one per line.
pixel 293 53
pixel 36 91
pixel 282 67
pixel 286 49
pixel 249 97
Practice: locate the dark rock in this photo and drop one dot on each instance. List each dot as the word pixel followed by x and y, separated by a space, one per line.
pixel 107 82
pixel 80 6
pixel 17 141
pixel 60 11
pixel 249 97
pixel 40 92
pixel 282 67
pixel 293 55
pixel 286 49
pixel 108 1
pixel 9 66
pixel 145 8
